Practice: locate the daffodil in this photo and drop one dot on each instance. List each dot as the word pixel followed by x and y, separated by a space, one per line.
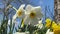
pixel 56 28
pixel 54 25
pixel 33 14
pixel 56 31
pixel 49 32
pixel 48 22
pixel 20 13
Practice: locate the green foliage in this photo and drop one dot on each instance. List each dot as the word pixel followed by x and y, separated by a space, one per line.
pixel 3 29
pixel 33 29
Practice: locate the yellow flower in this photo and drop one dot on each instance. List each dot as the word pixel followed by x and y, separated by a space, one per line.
pixel 48 22
pixel 54 25
pixel 56 31
pixel 59 24
pixel 56 28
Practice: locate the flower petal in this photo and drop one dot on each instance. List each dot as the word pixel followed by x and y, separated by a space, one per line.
pixel 22 6
pixel 38 11
pixel 34 21
pixel 40 21
pixel 51 33
pixel 26 20
pixel 14 18
pixel 28 8
pixel 21 12
pixel 48 31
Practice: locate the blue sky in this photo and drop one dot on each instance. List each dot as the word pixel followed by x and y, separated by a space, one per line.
pixel 42 3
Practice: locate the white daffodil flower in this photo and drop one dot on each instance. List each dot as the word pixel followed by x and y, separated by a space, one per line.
pixel 20 13
pixel 48 32
pixel 33 13
pixel 39 25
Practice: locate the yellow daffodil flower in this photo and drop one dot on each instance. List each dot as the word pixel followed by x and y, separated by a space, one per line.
pixel 56 28
pixel 54 25
pixel 48 22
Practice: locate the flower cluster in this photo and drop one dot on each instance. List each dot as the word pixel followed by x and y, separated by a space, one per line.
pixel 30 15
pixel 53 25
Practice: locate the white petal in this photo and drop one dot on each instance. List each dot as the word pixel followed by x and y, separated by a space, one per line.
pixel 23 11
pixel 28 8
pixel 9 22
pixel 34 21
pixel 40 26
pixel 38 12
pixel 22 6
pixel 14 18
pixel 48 31
pixel 40 21
pixel 51 33
pixel 26 20
pixel 39 15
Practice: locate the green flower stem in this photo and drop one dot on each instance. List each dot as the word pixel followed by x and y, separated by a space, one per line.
pixel 22 23
pixel 26 27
